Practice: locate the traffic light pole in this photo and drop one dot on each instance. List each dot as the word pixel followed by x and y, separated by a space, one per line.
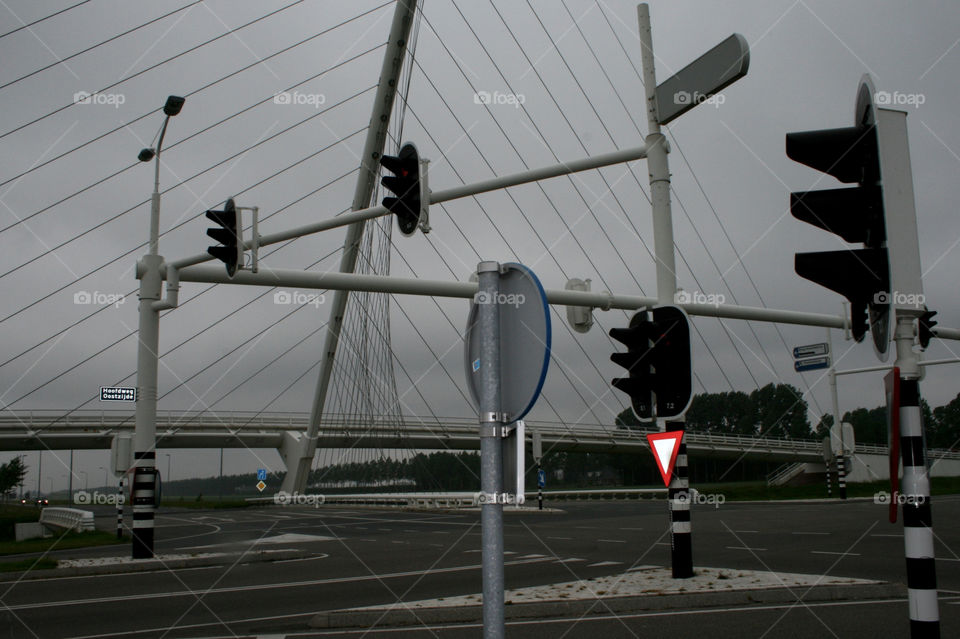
pixel 151 272
pixel 678 497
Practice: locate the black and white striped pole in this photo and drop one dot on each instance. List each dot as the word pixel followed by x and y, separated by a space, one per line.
pixel 827 458
pixel 841 476
pixel 917 519
pixel 120 509
pixel 678 496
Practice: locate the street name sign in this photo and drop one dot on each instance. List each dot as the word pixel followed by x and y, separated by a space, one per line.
pixel 117 394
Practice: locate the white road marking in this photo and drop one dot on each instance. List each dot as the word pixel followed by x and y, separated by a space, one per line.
pixel 605 563
pixel 744 548
pixel 613 541
pixel 640 615
pixel 257 587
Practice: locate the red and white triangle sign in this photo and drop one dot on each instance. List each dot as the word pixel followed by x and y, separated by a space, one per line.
pixel 665 447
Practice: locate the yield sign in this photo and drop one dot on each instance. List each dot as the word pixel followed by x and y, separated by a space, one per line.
pixel 665 447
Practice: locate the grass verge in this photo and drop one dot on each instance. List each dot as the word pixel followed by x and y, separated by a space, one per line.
pixel 61 542
pixel 27 564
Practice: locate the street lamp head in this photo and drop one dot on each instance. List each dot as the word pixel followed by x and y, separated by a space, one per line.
pixel 173 105
pixel 146 155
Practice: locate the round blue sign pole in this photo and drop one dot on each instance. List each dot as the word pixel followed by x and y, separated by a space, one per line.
pixel 491 454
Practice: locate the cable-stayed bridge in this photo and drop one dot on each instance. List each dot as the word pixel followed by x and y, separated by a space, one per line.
pixel 58 430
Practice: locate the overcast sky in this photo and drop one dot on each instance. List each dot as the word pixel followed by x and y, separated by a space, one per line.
pixel 565 84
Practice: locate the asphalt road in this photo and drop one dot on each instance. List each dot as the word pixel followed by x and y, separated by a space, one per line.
pixel 376 557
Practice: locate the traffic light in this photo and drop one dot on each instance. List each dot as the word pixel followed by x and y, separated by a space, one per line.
pixel 230 236
pixel 409 183
pixel 638 361
pixel 658 360
pixel 925 326
pixel 673 383
pixel 856 214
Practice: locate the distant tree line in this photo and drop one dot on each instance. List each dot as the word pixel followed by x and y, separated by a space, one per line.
pixel 779 410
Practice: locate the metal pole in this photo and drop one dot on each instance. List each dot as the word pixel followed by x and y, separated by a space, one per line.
pixel 491 462
pixel 829 487
pixel 539 489
pixel 841 471
pixel 296 478
pixel 39 472
pixel 915 489
pixel 120 508
pixel 436 197
pixel 220 480
pixel 679 490
pixel 151 276
pixel 70 481
pixel 466 290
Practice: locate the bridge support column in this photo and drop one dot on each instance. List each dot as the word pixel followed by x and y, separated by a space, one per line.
pixel 297 451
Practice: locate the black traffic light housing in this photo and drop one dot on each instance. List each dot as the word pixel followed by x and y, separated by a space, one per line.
pixel 658 360
pixel 925 326
pixel 638 361
pixel 408 185
pixel 230 235
pixel 856 214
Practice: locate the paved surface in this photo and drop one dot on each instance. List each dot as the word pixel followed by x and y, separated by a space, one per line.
pixel 357 557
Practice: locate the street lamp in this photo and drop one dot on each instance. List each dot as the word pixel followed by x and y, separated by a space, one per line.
pixel 171 108
pixel 150 271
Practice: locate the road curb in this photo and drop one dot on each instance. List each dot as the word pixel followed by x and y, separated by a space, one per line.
pixel 147 565
pixel 365 618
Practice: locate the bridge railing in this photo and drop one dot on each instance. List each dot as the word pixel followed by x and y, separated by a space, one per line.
pixel 38 421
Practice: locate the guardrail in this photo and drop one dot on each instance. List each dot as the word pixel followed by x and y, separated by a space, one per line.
pixel 602 494
pixel 67 518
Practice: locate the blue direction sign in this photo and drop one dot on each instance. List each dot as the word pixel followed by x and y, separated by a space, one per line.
pixel 811 364
pixel 261 474
pixel 811 350
pixel 541 478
